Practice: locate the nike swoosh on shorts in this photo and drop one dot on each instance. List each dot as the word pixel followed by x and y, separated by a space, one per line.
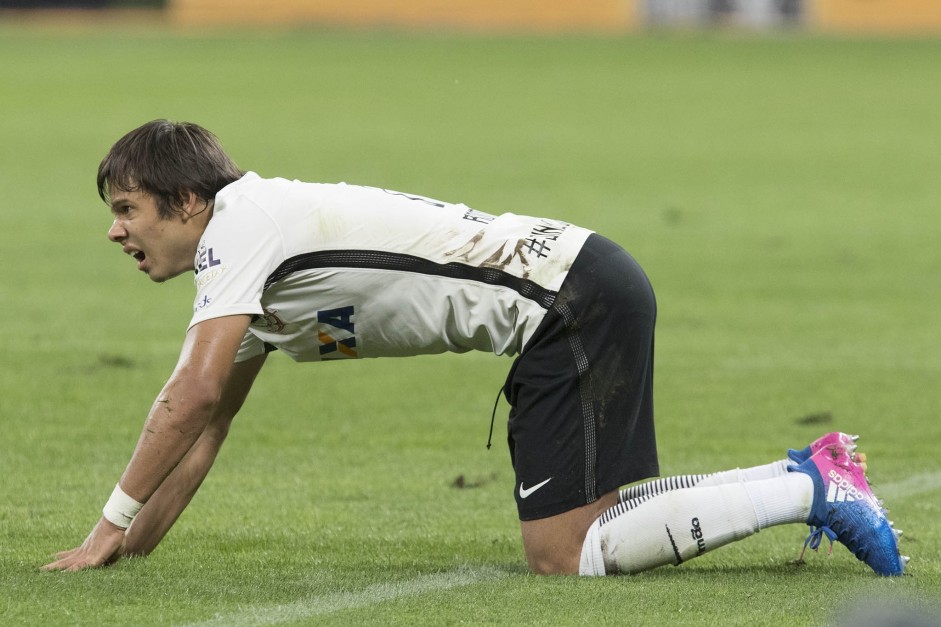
pixel 524 492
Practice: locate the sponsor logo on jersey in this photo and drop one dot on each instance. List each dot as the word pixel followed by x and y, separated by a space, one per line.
pixel 205 259
pixel 205 278
pixel 337 333
pixel 208 268
pixel 269 321
pixel 202 303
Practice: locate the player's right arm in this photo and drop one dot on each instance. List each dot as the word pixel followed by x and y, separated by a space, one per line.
pixel 184 409
pixel 174 494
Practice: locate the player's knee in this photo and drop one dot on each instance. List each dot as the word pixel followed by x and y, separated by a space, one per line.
pixel 551 565
pixel 553 545
pixel 552 558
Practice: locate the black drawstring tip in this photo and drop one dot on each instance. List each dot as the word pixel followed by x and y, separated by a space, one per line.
pixel 493 417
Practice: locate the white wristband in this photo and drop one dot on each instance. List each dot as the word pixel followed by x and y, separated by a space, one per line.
pixel 121 509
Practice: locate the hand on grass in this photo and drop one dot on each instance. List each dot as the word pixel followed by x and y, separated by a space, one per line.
pixel 103 547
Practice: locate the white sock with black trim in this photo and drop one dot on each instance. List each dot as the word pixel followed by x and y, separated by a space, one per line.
pixel 668 484
pixel 679 525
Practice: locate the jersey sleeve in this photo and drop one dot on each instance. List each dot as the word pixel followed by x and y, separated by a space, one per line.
pixel 251 346
pixel 240 248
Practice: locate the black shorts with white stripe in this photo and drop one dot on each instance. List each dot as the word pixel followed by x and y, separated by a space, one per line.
pixel 581 391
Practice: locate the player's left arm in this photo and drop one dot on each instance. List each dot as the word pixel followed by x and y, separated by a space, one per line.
pixel 180 415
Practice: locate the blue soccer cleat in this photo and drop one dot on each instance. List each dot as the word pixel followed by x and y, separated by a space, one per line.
pixel 845 509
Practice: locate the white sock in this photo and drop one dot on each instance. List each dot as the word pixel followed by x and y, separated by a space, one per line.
pixel 756 473
pixel 668 484
pixel 676 526
pixel 592 560
pixel 782 500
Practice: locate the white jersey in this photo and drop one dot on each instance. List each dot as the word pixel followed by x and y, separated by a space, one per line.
pixel 335 271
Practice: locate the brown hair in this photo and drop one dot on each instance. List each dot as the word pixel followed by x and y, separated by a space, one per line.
pixel 167 160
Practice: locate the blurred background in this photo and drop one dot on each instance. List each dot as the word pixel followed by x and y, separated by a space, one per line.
pixel 887 16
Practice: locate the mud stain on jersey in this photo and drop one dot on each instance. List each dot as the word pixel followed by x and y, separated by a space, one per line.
pixel 463 251
pixel 499 260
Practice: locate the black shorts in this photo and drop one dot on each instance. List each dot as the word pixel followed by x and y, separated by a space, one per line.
pixel 581 391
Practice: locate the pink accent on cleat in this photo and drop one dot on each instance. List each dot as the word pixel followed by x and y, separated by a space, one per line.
pixel 838 438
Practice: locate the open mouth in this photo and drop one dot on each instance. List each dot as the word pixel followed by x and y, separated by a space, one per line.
pixel 140 257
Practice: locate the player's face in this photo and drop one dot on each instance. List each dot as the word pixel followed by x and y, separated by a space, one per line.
pixel 163 248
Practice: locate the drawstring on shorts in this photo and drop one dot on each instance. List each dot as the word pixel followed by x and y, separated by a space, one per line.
pixel 493 417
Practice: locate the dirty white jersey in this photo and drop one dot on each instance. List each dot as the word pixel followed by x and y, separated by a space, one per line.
pixel 336 271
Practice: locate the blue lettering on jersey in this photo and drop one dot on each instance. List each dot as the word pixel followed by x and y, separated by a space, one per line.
pixel 205 260
pixel 336 333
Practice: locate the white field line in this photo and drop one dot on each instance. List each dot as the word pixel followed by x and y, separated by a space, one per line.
pixel 910 486
pixel 339 601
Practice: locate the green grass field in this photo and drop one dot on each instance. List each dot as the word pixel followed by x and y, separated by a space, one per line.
pixel 781 192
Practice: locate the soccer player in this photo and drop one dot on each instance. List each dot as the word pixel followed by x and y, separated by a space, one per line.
pixel 321 272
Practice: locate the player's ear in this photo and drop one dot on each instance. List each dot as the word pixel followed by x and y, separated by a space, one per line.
pixel 190 205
